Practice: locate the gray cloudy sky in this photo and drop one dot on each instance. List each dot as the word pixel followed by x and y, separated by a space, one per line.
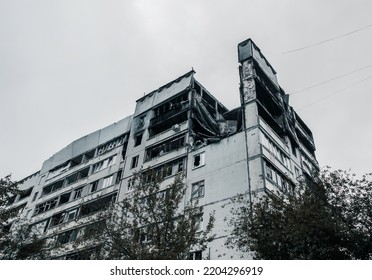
pixel 68 68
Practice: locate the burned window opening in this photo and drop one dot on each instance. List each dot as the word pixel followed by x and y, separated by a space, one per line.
pixel 272 122
pixel 170 108
pixel 168 123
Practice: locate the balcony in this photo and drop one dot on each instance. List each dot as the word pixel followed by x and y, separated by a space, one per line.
pixel 176 111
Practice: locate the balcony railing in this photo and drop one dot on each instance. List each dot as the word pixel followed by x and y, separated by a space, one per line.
pixel 177 110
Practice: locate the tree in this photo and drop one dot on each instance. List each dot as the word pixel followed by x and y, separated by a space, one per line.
pixel 16 241
pixel 8 190
pixel 327 217
pixel 153 222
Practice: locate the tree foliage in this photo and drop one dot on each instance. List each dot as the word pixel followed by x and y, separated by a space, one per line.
pixel 16 241
pixel 8 189
pixel 153 222
pixel 327 217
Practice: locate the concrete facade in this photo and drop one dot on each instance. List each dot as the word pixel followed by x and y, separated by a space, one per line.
pixel 263 145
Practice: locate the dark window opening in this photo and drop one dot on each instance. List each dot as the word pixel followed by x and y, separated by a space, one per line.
pixel 138 140
pixel 118 176
pixel 165 147
pixel 78 192
pixel 89 155
pixel 53 187
pixel 134 162
pixel 25 193
pixel 195 255
pixel 199 160
pixel 64 198
pixel 124 151
pixel 171 108
pixel 57 219
pixel 12 199
pixel 97 205
pixel 68 236
pixel 94 186
pixel 168 123
pixel 76 161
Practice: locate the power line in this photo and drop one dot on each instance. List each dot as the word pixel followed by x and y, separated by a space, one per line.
pixel 328 40
pixel 336 92
pixel 329 80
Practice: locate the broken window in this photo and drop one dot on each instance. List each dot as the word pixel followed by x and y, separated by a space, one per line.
pixel 111 144
pixel 197 190
pixel 103 164
pixel 97 205
pixel 165 147
pixel 72 214
pixel 78 192
pixel 57 219
pixel 199 160
pixel 93 186
pixel 53 187
pixel 107 181
pixel 58 170
pixel 67 236
pixel 118 176
pixel 76 161
pixel 137 140
pixel 64 198
pixel 77 176
pixel 134 162
pixel 88 156
pixel 50 204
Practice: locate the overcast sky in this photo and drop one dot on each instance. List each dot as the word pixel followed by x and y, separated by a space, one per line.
pixel 68 68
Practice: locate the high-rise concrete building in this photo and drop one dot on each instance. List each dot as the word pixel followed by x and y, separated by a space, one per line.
pixel 262 145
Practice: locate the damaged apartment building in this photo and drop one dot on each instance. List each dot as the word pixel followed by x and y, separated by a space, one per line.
pixel 262 145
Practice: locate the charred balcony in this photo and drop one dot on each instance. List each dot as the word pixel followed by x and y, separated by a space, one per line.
pixel 173 112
